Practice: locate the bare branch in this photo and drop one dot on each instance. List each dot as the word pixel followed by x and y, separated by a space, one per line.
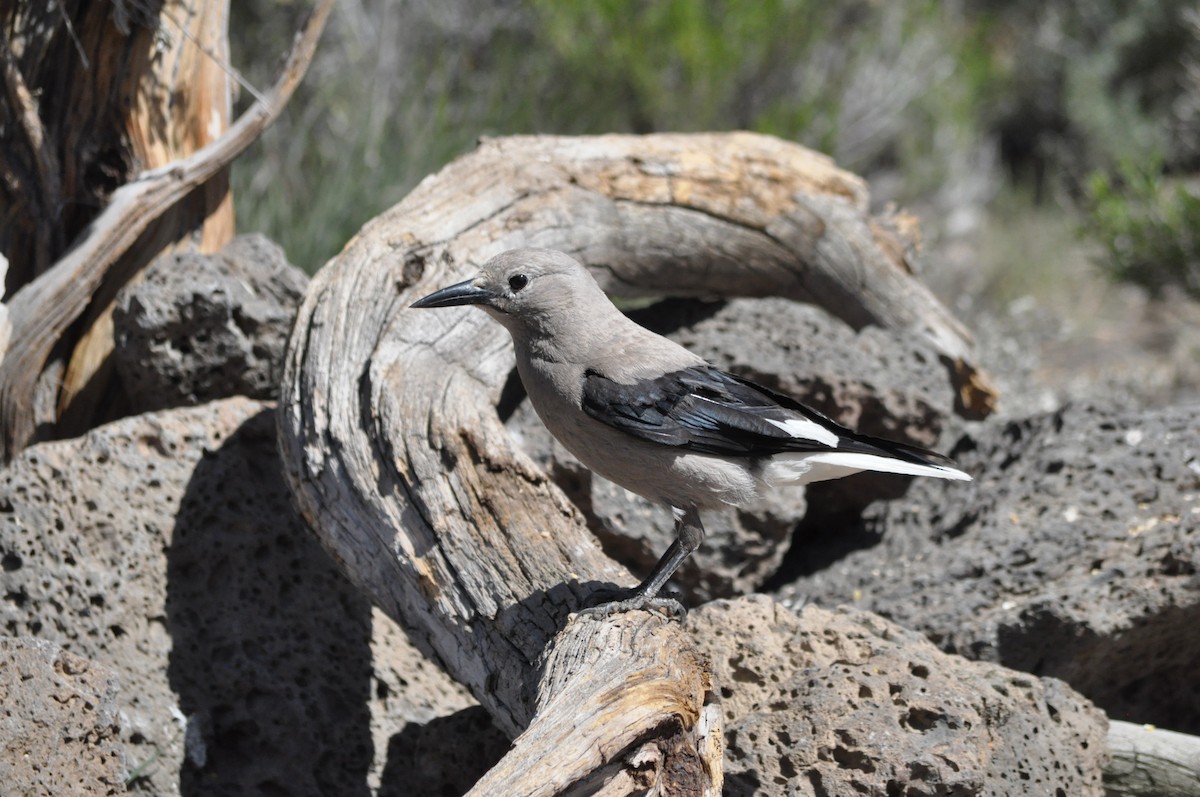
pixel 1151 762
pixel 43 309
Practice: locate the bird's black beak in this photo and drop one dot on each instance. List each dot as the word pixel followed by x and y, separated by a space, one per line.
pixel 461 293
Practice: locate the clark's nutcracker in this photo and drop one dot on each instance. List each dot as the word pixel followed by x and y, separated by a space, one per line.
pixel 652 416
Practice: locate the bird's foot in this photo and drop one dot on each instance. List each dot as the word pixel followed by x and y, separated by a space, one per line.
pixel 619 601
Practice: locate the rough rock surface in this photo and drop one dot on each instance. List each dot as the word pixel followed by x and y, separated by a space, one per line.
pixel 58 723
pixel 165 547
pixel 202 327
pixel 1074 554
pixel 430 735
pixel 870 380
pixel 845 702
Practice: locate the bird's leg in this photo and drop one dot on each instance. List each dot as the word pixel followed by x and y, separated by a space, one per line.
pixel 689 533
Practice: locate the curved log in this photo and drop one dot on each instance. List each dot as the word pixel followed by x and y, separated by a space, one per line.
pixel 587 737
pixel 392 443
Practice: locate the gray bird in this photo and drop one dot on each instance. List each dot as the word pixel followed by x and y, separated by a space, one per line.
pixel 646 413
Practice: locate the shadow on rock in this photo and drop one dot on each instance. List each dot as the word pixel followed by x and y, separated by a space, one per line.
pixel 444 756
pixel 271 650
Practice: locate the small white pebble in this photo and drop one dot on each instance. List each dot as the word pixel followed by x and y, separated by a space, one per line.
pixel 1071 514
pixel 1133 437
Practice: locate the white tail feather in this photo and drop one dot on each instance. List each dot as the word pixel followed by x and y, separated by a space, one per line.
pixel 823 465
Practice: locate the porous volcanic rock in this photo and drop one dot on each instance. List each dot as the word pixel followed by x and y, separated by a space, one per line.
pixel 166 547
pixel 1074 554
pixel 846 702
pixel 58 723
pixel 445 755
pixel 201 327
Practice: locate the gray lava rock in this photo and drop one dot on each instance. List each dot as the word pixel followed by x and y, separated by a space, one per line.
pixel 165 546
pixel 846 702
pixel 202 327
pixel 58 722
pixel 1074 554
pixel 446 755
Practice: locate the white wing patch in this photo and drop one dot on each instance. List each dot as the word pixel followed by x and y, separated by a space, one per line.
pixel 809 430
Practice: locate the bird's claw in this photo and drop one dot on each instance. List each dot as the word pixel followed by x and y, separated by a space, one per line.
pixel 669 607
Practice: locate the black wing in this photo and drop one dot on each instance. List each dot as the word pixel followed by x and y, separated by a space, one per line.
pixel 707 410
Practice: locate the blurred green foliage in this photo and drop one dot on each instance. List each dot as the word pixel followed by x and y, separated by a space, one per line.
pixel 942 104
pixel 397 90
pixel 677 64
pixel 1150 228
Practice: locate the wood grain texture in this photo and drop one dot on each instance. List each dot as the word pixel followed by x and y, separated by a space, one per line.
pixel 620 709
pixel 44 310
pixel 393 446
pixel 1151 762
pixel 182 93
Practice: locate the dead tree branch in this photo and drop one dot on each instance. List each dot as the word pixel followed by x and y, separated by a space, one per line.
pixel 42 310
pixel 1151 762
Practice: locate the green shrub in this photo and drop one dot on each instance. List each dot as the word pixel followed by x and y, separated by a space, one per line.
pixel 923 98
pixel 1149 227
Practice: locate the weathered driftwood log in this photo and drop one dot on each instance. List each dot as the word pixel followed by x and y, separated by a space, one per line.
pixel 392 442
pixel 620 709
pixel 44 367
pixel 1151 762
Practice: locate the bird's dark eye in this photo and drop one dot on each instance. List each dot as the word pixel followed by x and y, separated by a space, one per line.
pixel 517 282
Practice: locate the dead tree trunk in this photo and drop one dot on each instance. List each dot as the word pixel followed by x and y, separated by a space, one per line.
pixel 128 162
pixel 393 446
pixel 102 92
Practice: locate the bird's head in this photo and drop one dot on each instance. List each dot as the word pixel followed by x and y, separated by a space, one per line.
pixel 533 290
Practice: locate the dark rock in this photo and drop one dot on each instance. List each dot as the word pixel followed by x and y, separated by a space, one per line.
pixel 845 702
pixel 58 722
pixel 201 327
pixel 879 382
pixel 1074 554
pixel 446 755
pixel 166 547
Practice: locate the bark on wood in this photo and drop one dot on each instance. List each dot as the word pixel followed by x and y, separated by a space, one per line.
pixel 112 91
pixel 96 93
pixel 1151 762
pixel 179 79
pixel 619 710
pixel 393 446
pixel 125 236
